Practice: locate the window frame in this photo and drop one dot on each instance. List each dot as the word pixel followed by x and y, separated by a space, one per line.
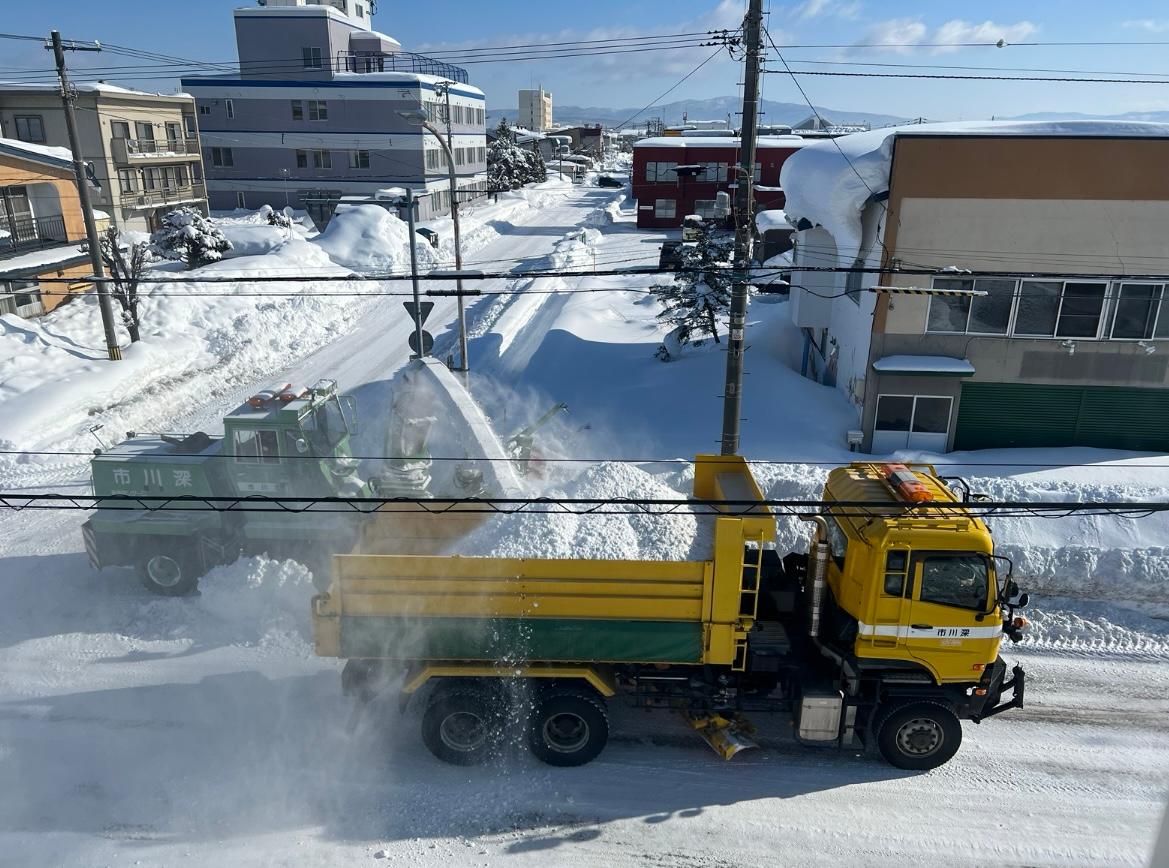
pixel 1104 321
pixel 317 110
pixel 301 158
pixel 312 56
pixel 1159 318
pixel 918 577
pixel 359 159
pixel 120 129
pixel 229 107
pixel 222 158
pixel 241 200
pixel 912 412
pixel 127 181
pixel 673 209
pixel 40 121
pixel 297 109
pixel 322 158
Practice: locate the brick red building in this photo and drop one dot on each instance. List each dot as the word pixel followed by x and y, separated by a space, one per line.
pixel 666 195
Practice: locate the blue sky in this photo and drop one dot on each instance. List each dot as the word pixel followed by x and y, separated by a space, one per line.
pixel 203 30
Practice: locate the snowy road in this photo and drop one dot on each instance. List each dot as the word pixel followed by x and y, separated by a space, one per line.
pixel 142 731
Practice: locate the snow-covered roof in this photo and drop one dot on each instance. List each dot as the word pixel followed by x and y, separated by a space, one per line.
pixel 82 87
pixel 924 365
pixel 774 218
pixel 59 158
pixel 829 181
pixel 458 89
pixel 720 142
pixel 39 260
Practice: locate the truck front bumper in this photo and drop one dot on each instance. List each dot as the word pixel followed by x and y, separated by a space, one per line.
pixel 995 702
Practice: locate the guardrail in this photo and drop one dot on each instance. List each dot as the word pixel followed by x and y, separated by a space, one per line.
pixel 403 61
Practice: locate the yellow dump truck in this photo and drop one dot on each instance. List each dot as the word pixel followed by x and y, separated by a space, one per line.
pixel 885 632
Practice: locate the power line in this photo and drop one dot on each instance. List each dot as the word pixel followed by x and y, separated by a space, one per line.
pixel 776 462
pixel 907 75
pixel 573 506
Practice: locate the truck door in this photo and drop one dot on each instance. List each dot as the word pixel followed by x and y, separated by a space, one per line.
pixel 953 623
pixel 258 469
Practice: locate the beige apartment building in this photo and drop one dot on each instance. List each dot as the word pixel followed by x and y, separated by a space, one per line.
pixel 1046 323
pixel 144 147
pixel 535 110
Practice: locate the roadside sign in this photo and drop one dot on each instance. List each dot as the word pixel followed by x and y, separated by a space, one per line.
pixel 424 306
pixel 427 342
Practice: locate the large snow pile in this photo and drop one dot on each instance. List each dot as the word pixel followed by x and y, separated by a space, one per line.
pixel 628 534
pixel 252 240
pixel 828 182
pixel 370 238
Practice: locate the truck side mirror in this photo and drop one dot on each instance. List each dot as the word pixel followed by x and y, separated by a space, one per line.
pixel 1021 601
pixel 301 445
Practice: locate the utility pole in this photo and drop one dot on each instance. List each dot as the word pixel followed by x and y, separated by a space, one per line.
pixel 410 205
pixel 464 363
pixel 744 200
pixel 67 99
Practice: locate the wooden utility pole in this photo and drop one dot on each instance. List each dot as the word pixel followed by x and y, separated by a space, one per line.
pixel 67 99
pixel 744 208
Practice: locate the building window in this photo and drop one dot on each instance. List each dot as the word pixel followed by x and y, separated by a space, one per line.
pixel 1063 310
pixel 302 159
pixel 661 173
pixel 359 159
pixel 145 132
pixel 704 207
pixel 126 181
pixel 204 109
pixel 297 110
pixel 911 422
pixel 189 125
pixel 120 129
pixel 988 314
pixel 30 128
pixel 22 298
pixel 241 201
pixel 322 160
pixel 311 56
pixel 853 282
pixel 230 106
pixel 665 208
pixel 1141 312
pixel 318 110
pixel 433 111
pixel 434 159
pixel 222 157
pixel 360 10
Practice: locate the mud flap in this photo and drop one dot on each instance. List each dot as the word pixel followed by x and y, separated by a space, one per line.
pixel 727 736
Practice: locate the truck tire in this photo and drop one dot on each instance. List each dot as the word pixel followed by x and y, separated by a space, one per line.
pixel 168 569
pixel 569 727
pixel 461 726
pixel 919 736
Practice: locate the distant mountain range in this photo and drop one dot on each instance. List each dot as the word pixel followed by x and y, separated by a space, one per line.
pixel 1160 117
pixel 700 109
pixel 773 113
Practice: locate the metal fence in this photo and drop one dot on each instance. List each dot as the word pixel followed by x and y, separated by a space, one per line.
pixel 404 61
pixel 26 232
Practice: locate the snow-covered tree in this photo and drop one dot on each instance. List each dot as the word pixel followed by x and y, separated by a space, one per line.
pixel 281 219
pixel 699 295
pixel 188 236
pixel 509 166
pixel 124 265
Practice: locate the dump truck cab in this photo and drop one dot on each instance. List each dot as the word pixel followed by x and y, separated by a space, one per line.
pixel 283 441
pixel 913 585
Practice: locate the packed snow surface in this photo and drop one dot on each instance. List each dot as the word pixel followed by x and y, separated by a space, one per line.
pixel 34 151
pixel 828 182
pixel 923 365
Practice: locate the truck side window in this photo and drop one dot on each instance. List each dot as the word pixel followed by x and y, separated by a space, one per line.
pixel 256 447
pixel 955 580
pixel 896 570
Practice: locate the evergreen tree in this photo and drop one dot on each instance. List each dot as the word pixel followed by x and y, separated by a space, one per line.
pixel 509 166
pixel 699 295
pixel 188 236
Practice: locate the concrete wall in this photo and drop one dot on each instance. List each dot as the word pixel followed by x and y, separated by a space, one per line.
pixel 270 44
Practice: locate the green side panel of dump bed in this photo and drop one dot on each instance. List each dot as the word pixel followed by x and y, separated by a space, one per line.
pixel 522 640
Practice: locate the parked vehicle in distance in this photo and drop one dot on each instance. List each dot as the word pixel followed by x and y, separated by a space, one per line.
pixel 610 181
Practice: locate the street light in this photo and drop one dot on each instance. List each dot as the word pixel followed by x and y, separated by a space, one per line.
pixel 418 117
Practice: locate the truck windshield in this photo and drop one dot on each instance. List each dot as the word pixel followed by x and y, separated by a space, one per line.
pixel 326 426
pixel 961 580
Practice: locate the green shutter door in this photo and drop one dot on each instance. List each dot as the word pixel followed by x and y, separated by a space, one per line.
pixel 996 415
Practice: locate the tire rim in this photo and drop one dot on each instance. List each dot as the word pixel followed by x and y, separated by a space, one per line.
pixel 462 731
pixel 566 732
pixel 920 737
pixel 164 571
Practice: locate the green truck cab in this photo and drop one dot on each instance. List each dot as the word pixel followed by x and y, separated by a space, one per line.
pixel 282 441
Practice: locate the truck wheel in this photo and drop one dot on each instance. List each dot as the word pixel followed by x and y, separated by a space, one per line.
pixel 919 736
pixel 461 726
pixel 568 727
pixel 171 572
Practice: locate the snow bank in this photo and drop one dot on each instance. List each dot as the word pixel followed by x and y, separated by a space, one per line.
pixel 628 535
pixel 370 238
pixel 829 182
pixel 252 240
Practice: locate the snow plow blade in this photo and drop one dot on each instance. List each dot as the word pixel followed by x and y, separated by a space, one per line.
pixel 727 736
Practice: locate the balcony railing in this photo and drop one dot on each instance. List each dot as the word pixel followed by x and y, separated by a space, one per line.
pixel 404 61
pixel 27 233
pixel 192 192
pixel 125 150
